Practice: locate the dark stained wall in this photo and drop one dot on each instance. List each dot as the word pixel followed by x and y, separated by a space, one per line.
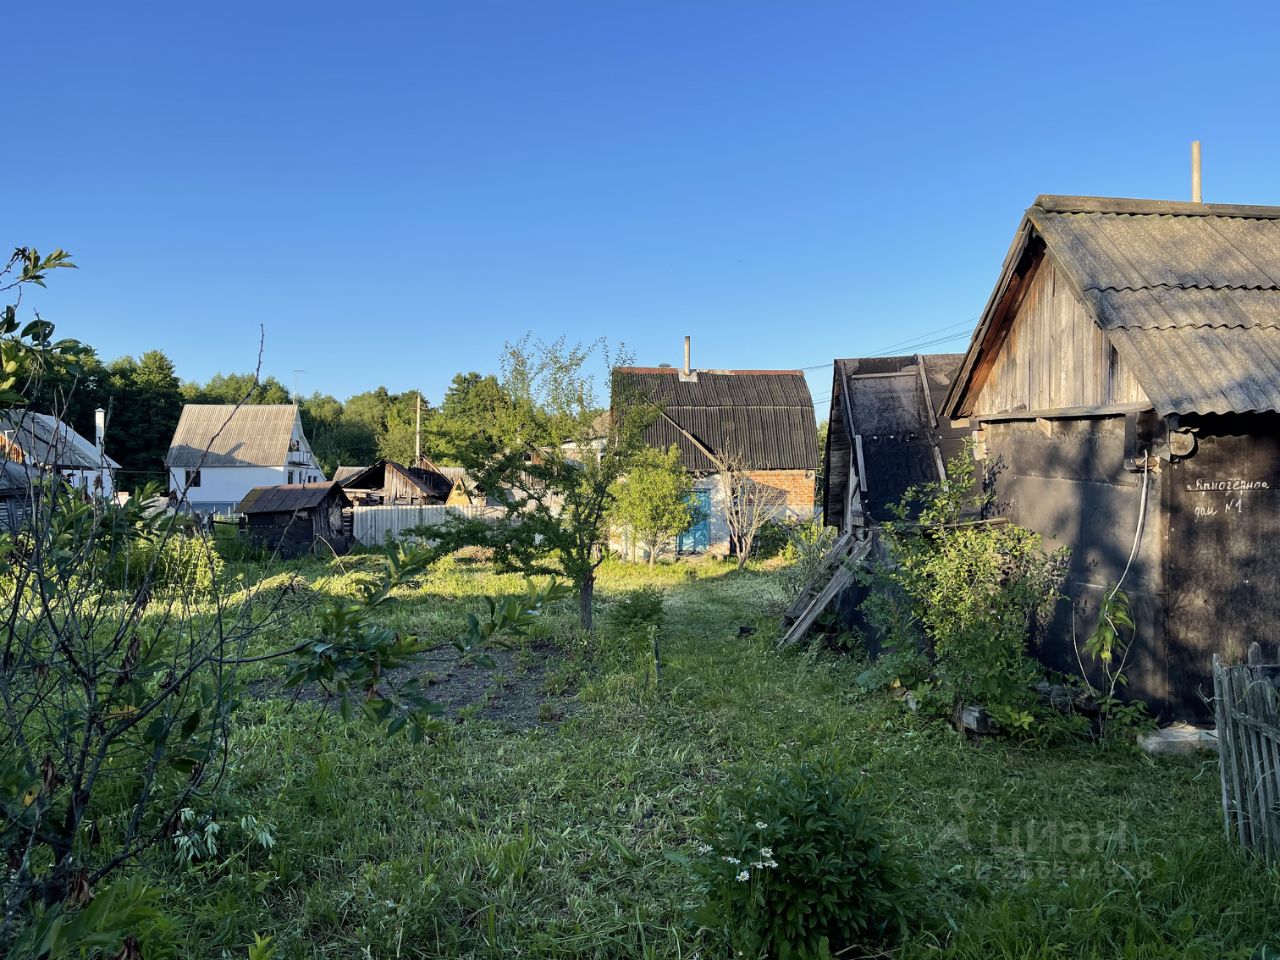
pixel 1071 487
pixel 1223 510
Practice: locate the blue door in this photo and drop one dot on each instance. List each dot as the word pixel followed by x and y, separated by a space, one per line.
pixel 698 537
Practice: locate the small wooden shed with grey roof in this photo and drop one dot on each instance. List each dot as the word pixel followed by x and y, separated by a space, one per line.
pixel 298 518
pixel 1123 383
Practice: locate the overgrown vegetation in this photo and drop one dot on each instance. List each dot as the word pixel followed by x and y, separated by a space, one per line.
pixel 795 865
pixel 968 593
pixel 552 841
pixel 119 677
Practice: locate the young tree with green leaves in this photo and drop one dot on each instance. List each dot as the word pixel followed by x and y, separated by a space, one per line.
pixel 552 462
pixel 655 500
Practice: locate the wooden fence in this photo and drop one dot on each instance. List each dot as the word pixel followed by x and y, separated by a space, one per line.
pixel 371 525
pixel 1247 706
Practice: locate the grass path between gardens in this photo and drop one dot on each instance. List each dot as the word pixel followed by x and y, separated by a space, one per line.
pixel 550 842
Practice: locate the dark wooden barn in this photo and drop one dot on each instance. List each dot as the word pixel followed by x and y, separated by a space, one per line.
pixel 1124 382
pixel 389 483
pixel 296 518
pixel 884 434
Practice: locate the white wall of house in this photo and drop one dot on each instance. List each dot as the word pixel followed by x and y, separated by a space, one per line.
pixel 224 487
pixel 220 488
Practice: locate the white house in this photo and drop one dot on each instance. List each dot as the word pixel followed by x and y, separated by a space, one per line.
pixel 221 451
pixel 45 443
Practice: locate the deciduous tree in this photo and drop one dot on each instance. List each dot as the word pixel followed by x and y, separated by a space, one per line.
pixel 552 461
pixel 654 500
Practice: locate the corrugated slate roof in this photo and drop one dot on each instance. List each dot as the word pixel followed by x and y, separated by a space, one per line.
pixel 343 474
pixel 224 435
pixel 1188 294
pixel 765 417
pixel 49 442
pixel 288 497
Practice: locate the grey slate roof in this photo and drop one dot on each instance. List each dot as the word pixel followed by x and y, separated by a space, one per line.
pixel 763 416
pixel 288 497
pixel 1189 294
pixel 47 441
pixel 343 474
pixel 245 436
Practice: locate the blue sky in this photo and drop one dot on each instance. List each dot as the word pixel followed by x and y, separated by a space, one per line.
pixel 392 190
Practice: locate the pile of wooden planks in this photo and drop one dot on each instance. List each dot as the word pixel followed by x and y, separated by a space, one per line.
pixel 837 573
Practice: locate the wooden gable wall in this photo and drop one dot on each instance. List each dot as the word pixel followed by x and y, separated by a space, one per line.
pixel 1054 356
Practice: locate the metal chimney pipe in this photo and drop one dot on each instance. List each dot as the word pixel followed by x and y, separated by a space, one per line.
pixel 687 352
pixel 1195 172
pixel 100 427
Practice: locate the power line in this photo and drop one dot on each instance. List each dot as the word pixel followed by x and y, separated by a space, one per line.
pixel 953 331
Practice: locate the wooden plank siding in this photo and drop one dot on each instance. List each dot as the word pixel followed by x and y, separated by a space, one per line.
pixel 1055 356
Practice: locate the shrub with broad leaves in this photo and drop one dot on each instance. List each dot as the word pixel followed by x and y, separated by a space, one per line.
pixel 797 866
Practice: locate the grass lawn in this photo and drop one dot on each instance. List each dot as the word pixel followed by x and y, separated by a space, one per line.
pixel 550 841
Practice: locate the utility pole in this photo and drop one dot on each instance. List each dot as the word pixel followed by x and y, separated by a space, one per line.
pixel 417 431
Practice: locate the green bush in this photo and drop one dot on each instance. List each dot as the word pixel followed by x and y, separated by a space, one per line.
pixel 174 559
pixel 637 610
pixel 773 540
pixel 796 866
pixel 190 564
pixel 973 591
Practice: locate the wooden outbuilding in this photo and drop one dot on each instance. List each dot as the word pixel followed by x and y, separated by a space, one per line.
pixel 390 483
pixel 297 518
pixel 1124 384
pixel 884 434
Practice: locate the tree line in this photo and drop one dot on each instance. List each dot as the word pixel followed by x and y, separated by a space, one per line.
pixel 144 396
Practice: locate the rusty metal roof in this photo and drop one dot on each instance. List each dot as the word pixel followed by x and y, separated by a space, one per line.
pixel 226 435
pixel 288 497
pixel 764 417
pixel 1188 294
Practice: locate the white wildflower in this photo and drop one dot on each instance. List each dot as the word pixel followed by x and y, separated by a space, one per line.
pixel 734 860
pixel 766 852
pixel 761 825
pixel 704 848
pixel 744 876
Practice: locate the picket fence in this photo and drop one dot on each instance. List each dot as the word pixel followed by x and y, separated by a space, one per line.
pixel 1247 705
pixel 372 525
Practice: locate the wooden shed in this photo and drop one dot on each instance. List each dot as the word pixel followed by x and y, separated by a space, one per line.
pixel 294 519
pixel 1124 382
pixel 389 483
pixel 884 434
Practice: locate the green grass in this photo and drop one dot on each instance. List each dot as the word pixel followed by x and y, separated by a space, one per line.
pixel 551 842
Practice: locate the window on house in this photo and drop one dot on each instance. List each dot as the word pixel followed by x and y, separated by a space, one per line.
pixel 290 480
pixel 193 478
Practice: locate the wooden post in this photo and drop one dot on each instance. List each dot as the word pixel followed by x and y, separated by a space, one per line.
pixel 1222 720
pixel 417 431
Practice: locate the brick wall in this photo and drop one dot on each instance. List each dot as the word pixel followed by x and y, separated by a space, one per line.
pixel 798 486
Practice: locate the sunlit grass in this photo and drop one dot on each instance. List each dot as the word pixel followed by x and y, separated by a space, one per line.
pixel 551 842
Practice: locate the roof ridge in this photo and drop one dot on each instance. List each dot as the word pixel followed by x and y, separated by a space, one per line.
pixel 1126 206
pixel 702 370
